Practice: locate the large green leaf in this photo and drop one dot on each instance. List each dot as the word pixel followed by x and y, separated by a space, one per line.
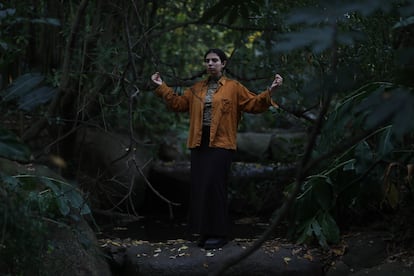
pixel 385 145
pixel 9 180
pixel 389 104
pixel 305 230
pixel 329 227
pixel 318 232
pixel 322 192
pixel 74 196
pixel 28 91
pixel 36 97
pixel 364 156
pixel 67 196
pixel 319 39
pixel 22 86
pixel 48 21
pixel 11 147
pixel 63 205
pixel 404 22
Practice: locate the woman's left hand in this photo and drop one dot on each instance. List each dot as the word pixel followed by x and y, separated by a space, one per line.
pixel 276 82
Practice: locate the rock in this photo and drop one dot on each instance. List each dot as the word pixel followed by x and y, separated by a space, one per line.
pixel 253 147
pixel 256 187
pixel 365 250
pixel 75 251
pixel 72 247
pixel 339 269
pixel 181 257
pixel 279 146
pixel 117 165
pixel 287 146
pixel 387 269
pixel 367 255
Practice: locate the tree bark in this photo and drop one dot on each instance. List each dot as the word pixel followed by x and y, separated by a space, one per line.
pixel 64 93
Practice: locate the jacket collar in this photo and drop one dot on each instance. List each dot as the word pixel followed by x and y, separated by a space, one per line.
pixel 221 81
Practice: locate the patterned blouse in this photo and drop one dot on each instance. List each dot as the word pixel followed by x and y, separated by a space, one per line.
pixel 212 87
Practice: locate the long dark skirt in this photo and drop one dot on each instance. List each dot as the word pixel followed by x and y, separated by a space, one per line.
pixel 210 167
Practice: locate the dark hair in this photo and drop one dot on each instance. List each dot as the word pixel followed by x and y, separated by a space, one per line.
pixel 218 52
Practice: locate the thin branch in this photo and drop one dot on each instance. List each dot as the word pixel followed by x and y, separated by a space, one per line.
pixel 152 187
pixel 283 210
pixel 298 114
pixel 117 215
pixel 300 176
pixel 127 195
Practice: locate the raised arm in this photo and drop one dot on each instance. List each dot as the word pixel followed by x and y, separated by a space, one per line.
pixel 278 81
pixel 156 78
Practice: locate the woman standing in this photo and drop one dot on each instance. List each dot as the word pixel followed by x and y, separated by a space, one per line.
pixel 215 106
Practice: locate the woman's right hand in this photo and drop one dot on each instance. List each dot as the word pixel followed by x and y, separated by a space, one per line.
pixel 156 78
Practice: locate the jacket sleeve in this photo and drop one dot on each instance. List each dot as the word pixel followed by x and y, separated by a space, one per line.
pixel 253 103
pixel 175 102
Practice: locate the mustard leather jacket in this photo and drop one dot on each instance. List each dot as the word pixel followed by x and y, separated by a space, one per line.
pixel 229 101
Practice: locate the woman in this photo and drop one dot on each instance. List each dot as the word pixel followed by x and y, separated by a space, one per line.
pixel 215 106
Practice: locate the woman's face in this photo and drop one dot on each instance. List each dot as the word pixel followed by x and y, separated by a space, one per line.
pixel 214 65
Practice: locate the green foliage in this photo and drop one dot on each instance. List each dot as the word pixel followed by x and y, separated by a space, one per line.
pixel 351 181
pixel 28 203
pixel 369 103
pixel 15 32
pixel 359 52
pixel 24 233
pixel 233 10
pixel 11 147
pixel 29 91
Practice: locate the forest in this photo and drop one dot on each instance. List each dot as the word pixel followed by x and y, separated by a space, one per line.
pixel 81 128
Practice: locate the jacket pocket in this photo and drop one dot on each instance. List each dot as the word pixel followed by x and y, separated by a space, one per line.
pixel 225 106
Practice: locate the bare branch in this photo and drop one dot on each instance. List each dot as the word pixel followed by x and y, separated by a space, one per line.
pixel 153 189
pixel 300 176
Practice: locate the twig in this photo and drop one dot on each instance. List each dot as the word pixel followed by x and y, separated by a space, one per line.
pixel 117 215
pixel 127 195
pixel 170 203
pixel 282 211
pixel 300 176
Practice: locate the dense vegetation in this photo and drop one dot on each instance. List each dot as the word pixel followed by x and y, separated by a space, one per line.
pixel 347 67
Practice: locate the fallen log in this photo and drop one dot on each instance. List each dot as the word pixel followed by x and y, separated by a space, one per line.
pixel 180 171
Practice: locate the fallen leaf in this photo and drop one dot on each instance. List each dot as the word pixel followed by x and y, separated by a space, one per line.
pixel 120 228
pixel 287 260
pixel 308 257
pixel 115 243
pixel 138 242
pixel 339 250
